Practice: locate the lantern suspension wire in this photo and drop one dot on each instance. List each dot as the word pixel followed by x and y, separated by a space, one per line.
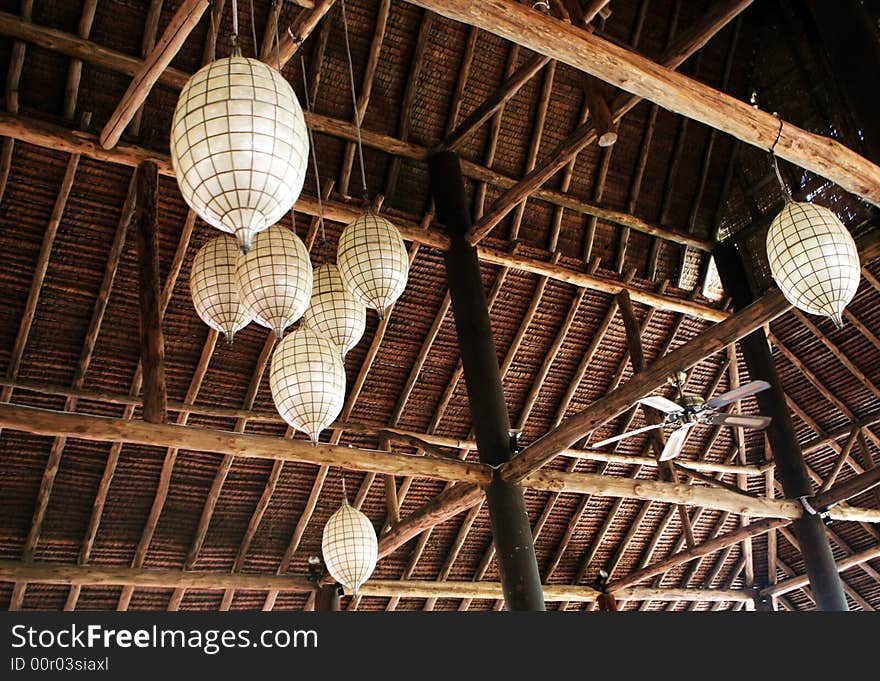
pixel 344 493
pixel 254 30
pixel 357 118
pixel 775 163
pixel 302 62
pixel 214 31
pixel 234 23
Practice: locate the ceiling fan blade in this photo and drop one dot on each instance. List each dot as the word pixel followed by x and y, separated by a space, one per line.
pixel 675 443
pixel 629 433
pixel 739 420
pixel 736 394
pixel 661 403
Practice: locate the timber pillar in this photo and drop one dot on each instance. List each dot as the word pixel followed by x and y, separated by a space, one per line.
pixel 791 471
pixel 511 531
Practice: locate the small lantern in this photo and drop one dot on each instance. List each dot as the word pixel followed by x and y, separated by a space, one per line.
pixel 307 381
pixel 373 261
pixel 275 278
pixel 214 288
pixel 239 146
pixel 334 311
pixel 813 259
pixel 350 547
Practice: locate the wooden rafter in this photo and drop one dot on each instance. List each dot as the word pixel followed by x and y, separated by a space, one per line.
pixel 53 573
pixel 684 47
pixel 177 31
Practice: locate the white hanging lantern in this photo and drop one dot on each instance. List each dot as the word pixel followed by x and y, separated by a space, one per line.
pixel 813 259
pixel 307 381
pixel 373 261
pixel 349 547
pixel 275 278
pixel 334 311
pixel 214 288
pixel 239 146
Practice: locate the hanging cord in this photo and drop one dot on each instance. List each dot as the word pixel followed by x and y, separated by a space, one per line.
pixel 357 118
pixel 278 46
pixel 254 31
pixel 772 151
pixel 324 248
pixel 213 29
pixel 344 493
pixel 234 24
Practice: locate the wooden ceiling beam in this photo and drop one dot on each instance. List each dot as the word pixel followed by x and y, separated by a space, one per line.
pixel 644 78
pixel 113 455
pixel 82 49
pixel 712 340
pixel 55 573
pixel 578 425
pixel 297 33
pixel 431 439
pixel 495 101
pixel 63 139
pixel 842 565
pixel 691 41
pixel 182 23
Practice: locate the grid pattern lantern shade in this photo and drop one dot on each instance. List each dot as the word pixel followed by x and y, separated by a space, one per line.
pixel 334 311
pixel 239 146
pixel 307 381
pixel 275 278
pixel 349 547
pixel 813 259
pixel 373 261
pixel 214 288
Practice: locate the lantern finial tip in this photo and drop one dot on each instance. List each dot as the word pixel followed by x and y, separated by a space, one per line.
pixel 837 318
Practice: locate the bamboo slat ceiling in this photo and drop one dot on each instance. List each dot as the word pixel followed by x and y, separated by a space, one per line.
pixel 69 321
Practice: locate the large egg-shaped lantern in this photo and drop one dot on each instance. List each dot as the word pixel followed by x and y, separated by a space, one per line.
pixel 373 261
pixel 239 146
pixel 813 259
pixel 334 311
pixel 349 547
pixel 307 381
pixel 214 288
pixel 275 278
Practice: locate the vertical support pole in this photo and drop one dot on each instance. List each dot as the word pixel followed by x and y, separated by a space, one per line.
pixel 512 534
pixel 327 598
pixel 152 342
pixel 790 468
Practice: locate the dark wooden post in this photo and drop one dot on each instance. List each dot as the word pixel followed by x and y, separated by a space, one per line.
pixel 787 456
pixel 327 598
pixel 152 342
pixel 512 534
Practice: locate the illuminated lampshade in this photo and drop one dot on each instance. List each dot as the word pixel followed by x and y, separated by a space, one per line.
pixel 334 311
pixel 214 288
pixel 307 381
pixel 813 259
pixel 349 547
pixel 239 146
pixel 373 261
pixel 275 278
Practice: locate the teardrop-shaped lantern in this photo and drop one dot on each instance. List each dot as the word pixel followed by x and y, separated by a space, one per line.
pixel 373 261
pixel 813 259
pixel 275 278
pixel 307 381
pixel 334 311
pixel 239 146
pixel 349 547
pixel 214 288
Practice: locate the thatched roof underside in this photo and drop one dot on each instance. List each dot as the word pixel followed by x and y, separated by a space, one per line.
pixel 694 179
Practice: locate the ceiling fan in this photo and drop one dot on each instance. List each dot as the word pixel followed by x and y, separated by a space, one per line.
pixel 689 410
